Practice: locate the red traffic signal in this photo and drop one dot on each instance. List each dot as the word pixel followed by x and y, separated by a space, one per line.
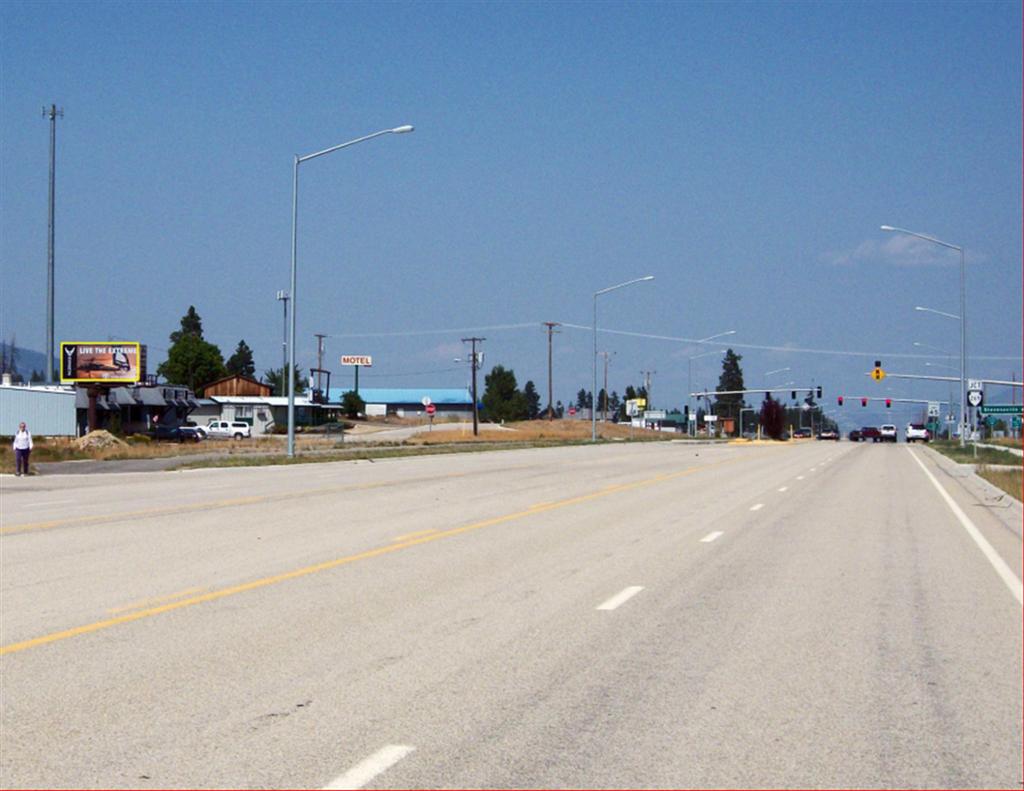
pixel 863 402
pixel 888 403
pixel 840 399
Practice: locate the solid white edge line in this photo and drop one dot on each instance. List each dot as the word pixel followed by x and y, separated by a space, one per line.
pixel 363 772
pixel 711 537
pixel 620 598
pixel 757 507
pixel 1004 571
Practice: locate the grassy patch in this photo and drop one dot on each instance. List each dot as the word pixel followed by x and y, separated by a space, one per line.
pixel 972 455
pixel 1010 481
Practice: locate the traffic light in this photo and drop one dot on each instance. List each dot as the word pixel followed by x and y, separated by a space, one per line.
pixel 819 391
pixel 840 400
pixel 863 402
pixel 888 403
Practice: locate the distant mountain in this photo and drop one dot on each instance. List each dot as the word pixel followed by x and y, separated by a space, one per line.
pixel 27 360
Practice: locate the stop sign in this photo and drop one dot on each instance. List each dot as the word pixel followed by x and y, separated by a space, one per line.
pixel 431 409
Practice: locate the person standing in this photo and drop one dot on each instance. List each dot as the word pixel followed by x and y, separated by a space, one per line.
pixel 22 449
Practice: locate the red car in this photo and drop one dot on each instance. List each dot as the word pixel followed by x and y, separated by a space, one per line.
pixel 870 433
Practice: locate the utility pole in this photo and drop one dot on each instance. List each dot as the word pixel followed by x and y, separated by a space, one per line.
pixel 604 404
pixel 646 377
pixel 319 357
pixel 52 113
pixel 282 296
pixel 474 362
pixel 551 401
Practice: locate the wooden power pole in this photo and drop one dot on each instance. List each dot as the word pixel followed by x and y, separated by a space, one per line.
pixel 474 361
pixel 551 401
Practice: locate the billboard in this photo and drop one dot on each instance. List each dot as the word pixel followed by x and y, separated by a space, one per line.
pixel 100 361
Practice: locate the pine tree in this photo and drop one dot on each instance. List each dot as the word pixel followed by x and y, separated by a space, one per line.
pixel 279 382
pixel 502 400
pixel 191 361
pixel 532 400
pixel 241 363
pixel 729 405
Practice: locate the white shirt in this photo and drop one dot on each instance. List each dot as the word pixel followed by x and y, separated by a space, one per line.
pixel 23 440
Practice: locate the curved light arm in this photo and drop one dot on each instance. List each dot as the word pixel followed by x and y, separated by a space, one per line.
pixel 777 371
pixel 933 348
pixel 719 335
pixel 938 312
pixel 398 130
pixel 922 236
pixel 623 285
pixel 705 354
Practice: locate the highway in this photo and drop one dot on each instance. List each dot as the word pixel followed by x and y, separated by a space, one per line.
pixel 654 615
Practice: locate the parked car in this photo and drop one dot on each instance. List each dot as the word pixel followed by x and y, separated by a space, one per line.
pixel 889 433
pixel 854 435
pixel 224 429
pixel 802 433
pixel 192 424
pixel 918 432
pixel 827 433
pixel 175 434
pixel 870 433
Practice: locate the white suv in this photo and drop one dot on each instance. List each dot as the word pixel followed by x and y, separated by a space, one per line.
pixel 224 429
pixel 918 432
pixel 888 432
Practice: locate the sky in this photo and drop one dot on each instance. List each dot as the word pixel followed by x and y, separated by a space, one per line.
pixel 744 154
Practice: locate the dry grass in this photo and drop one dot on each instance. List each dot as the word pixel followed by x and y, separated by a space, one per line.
pixel 1010 481
pixel 539 431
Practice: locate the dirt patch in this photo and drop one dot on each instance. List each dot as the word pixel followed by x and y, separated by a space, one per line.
pixel 99 440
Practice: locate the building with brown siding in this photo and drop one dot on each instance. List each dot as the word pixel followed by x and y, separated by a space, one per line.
pixel 236 385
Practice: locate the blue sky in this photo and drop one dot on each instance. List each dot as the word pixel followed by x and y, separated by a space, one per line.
pixel 743 154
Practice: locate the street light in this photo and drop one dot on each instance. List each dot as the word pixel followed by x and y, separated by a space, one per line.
pixel 962 319
pixel 593 405
pixel 290 373
pixel 937 312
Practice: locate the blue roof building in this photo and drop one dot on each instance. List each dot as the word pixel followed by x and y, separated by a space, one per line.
pixel 380 401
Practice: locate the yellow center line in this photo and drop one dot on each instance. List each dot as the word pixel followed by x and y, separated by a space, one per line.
pixel 154 600
pixel 415 535
pixel 264 582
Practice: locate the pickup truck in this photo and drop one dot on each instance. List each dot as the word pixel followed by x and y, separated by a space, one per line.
pixel 223 429
pixel 917 432
pixel 888 432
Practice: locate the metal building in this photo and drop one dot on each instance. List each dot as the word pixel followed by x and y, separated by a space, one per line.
pixel 46 411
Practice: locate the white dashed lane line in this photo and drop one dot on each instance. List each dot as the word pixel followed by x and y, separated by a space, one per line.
pixel 363 772
pixel 783 488
pixel 799 477
pixel 757 507
pixel 711 537
pixel 620 598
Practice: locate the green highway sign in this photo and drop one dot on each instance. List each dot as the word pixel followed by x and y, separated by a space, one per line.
pixel 1001 409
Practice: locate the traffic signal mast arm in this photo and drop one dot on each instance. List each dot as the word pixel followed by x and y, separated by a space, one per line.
pixel 899 400
pixel 1004 382
pixel 706 393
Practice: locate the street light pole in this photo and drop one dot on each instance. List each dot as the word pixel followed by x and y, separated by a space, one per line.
pixel 963 322
pixel 290 373
pixel 593 405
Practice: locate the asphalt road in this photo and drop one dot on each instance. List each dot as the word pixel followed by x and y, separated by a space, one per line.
pixel 656 615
